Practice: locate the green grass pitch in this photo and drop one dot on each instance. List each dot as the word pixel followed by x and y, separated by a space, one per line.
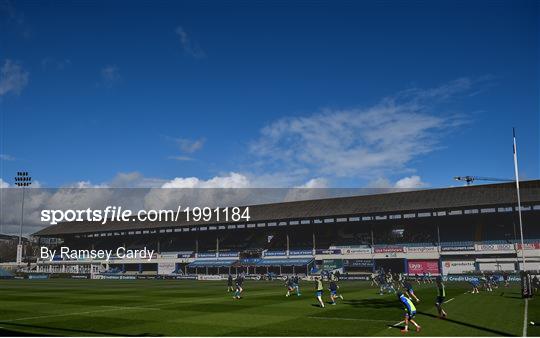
pixel 197 308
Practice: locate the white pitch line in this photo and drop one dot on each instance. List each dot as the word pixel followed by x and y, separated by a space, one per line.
pixel 130 307
pixel 58 315
pixel 448 301
pixel 525 315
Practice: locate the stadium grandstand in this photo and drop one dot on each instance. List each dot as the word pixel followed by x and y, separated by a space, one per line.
pixel 436 231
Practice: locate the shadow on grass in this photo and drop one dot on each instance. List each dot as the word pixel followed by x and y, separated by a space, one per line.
pixel 481 328
pixel 10 333
pixel 6 332
pixel 371 303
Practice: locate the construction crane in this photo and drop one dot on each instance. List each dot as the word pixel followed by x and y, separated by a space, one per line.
pixel 471 179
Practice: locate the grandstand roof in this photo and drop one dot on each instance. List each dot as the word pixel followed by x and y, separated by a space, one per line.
pixel 394 202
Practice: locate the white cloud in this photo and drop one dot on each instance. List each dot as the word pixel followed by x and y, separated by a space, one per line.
pixel 181 158
pixel 226 190
pixel 411 182
pixel 134 180
pixel 408 182
pixel 6 157
pixel 315 183
pixel 381 183
pixel 36 185
pixel 313 189
pixel 110 76
pixel 122 180
pixel 3 184
pixel 190 47
pixel 187 146
pixel 13 78
pixel 86 184
pixel 360 143
pixel 232 180
pixel 190 146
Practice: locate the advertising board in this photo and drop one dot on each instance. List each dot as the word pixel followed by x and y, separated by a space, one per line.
pixel 457 247
pixel 457 267
pixel 494 247
pixel 166 268
pixel 416 266
pixel 388 249
pixel 348 251
pixel 358 263
pixel 332 264
pixel 328 252
pixel 420 249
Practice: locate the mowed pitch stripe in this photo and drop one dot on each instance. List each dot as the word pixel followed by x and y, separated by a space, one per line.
pixel 525 315
pixel 351 319
pixel 129 308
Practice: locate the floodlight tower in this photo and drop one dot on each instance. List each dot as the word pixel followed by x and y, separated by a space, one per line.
pixel 516 173
pixel 22 180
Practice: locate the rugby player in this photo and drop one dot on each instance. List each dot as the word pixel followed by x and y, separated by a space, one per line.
pixel 230 287
pixel 410 312
pixel 441 295
pixel 319 290
pixel 289 283
pixel 296 283
pixel 409 291
pixel 239 281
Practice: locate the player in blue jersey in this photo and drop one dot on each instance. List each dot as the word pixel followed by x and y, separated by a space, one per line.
pixel 296 284
pixel 333 292
pixel 289 283
pixel 230 287
pixel 409 291
pixel 410 312
pixel 475 283
pixel 239 289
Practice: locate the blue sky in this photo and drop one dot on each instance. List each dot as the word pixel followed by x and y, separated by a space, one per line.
pixel 340 94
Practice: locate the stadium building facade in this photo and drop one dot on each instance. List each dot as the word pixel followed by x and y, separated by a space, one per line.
pixel 437 231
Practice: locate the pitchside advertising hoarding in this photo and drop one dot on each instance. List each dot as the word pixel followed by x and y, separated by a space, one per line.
pixel 332 264
pixel 458 248
pixel 458 266
pixel 275 253
pixel 421 249
pixel 206 255
pixel 529 246
pixel 388 249
pixel 301 252
pixel 328 252
pixel 349 251
pixel 229 254
pixel 358 263
pixel 469 278
pixel 494 247
pixel 417 266
pixel 166 268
